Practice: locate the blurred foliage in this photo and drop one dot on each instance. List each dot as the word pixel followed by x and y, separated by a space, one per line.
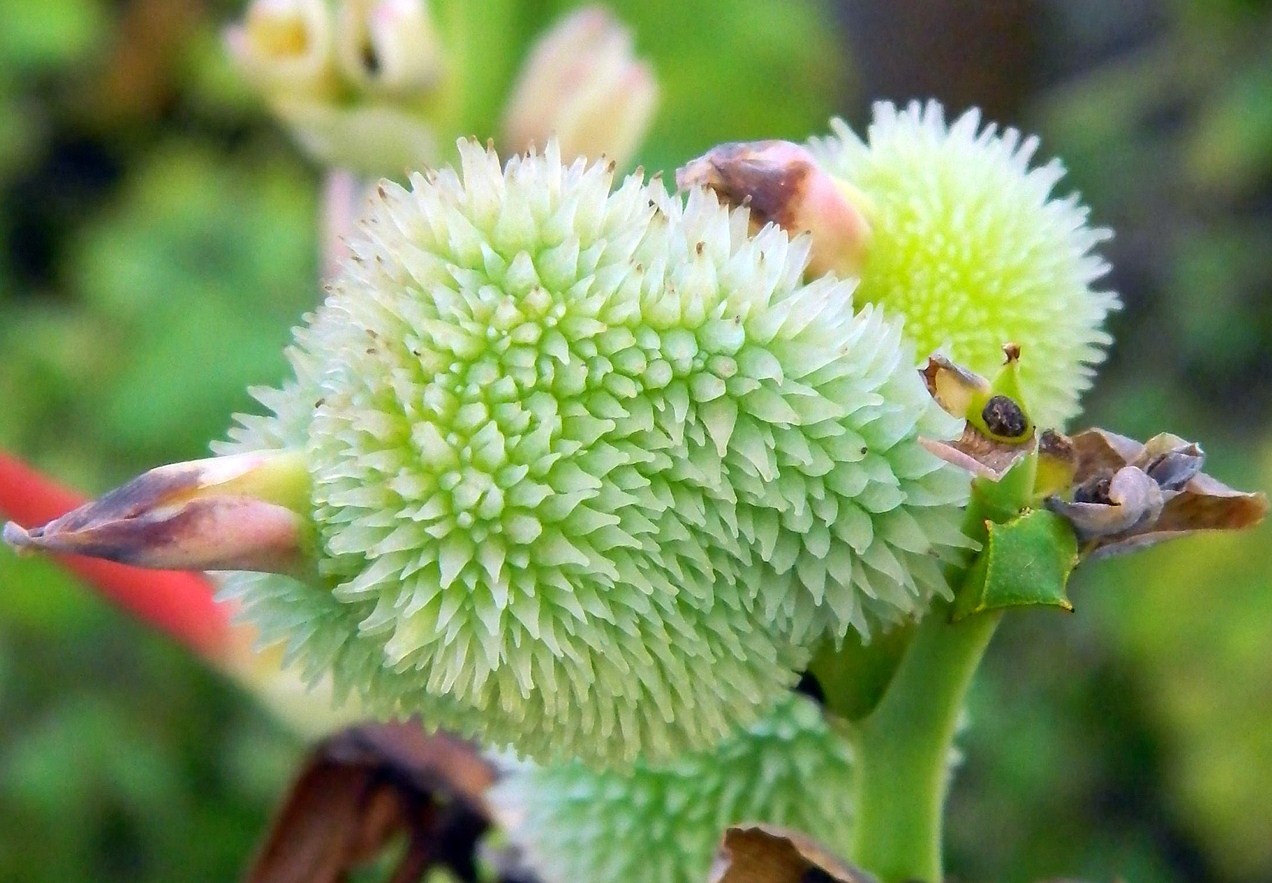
pixel 160 240
pixel 1136 737
pixel 1203 667
pixel 120 758
pixel 1171 139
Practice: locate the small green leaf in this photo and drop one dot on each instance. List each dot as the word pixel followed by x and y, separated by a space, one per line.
pixel 1025 562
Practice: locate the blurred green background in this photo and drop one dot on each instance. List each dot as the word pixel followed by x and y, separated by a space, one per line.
pixel 159 242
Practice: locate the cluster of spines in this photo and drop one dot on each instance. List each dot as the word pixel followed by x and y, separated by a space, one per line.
pixel 661 823
pixel 583 460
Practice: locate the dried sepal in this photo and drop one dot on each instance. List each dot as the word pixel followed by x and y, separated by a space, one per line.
pixel 953 386
pixel 1098 449
pixel 1057 463
pixel 178 604
pixel 241 512
pixel 769 854
pixel 1107 505
pixel 362 788
pixel 1170 461
pixel 978 454
pixel 1128 495
pixel 781 183
pixel 998 432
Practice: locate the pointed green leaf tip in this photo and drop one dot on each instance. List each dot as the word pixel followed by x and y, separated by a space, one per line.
pixel 594 470
pixel 969 245
pixel 662 824
pixel 1025 562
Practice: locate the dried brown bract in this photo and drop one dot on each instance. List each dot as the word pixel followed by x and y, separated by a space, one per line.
pixel 781 183
pixel 1128 494
pixel 363 788
pixel 238 512
pixel 768 854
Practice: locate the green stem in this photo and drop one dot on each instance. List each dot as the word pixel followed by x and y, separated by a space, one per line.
pixel 482 47
pixel 904 740
pixel 903 749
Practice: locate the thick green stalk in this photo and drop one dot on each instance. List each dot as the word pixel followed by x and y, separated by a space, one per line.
pixel 903 749
pixel 904 740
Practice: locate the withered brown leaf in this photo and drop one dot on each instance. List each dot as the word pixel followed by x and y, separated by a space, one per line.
pixel 365 786
pixel 1099 450
pixel 756 853
pixel 1115 505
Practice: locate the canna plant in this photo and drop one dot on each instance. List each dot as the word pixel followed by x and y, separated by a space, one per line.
pixel 602 475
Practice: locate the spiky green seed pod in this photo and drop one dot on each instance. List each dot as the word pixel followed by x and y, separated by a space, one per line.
pixel 661 824
pixel 969 245
pixel 593 470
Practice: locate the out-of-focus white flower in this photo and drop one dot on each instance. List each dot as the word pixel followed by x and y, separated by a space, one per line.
pixel 583 85
pixel 285 48
pixel 388 45
pixel 364 85
pixel 356 85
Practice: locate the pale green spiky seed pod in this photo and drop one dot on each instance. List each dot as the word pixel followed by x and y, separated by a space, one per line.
pixel 970 247
pixel 662 823
pixel 593 471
